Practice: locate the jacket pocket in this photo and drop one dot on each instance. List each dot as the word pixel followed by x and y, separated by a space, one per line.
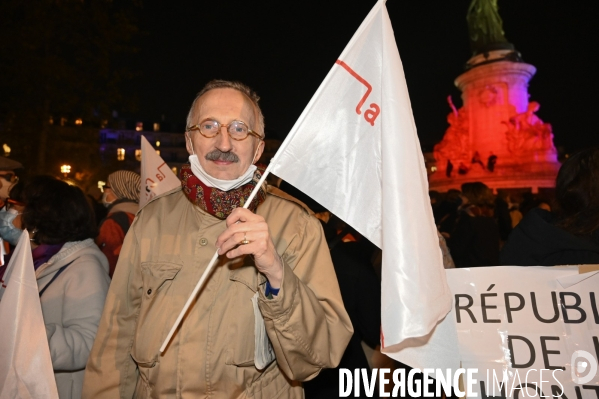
pixel 271 384
pixel 240 327
pixel 155 275
pixel 156 311
pixel 143 386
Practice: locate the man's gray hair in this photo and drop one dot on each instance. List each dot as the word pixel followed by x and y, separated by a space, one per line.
pixel 244 89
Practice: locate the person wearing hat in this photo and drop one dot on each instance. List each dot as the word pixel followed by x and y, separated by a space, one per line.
pixel 8 177
pixel 121 197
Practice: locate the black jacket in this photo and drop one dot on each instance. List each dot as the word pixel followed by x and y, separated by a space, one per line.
pixel 475 241
pixel 361 293
pixel 537 242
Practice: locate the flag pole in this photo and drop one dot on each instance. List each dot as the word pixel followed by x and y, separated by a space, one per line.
pixel 208 270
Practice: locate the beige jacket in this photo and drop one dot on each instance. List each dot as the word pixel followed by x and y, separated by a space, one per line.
pixel 165 252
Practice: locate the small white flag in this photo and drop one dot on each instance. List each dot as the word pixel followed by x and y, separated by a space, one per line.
pixel 156 176
pixel 25 362
pixel 2 253
pixel 355 150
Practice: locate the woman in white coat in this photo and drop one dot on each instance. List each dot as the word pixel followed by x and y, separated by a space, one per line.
pixel 72 275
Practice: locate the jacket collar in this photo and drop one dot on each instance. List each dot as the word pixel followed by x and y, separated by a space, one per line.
pixel 58 260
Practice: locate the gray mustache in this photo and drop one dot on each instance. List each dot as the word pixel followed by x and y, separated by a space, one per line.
pixel 218 155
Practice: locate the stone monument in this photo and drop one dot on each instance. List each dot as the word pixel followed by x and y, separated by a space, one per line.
pixel 495 137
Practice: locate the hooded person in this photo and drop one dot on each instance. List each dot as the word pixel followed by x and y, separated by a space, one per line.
pixel 121 197
pixel 569 235
pixel 270 314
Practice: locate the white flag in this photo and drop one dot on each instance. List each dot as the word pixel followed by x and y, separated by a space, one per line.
pixel 156 176
pixel 25 362
pixel 355 150
pixel 1 252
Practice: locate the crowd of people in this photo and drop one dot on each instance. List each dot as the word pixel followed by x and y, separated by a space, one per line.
pixel 296 292
pixel 523 229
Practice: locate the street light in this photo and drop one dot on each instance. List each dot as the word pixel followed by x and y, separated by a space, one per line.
pixel 65 170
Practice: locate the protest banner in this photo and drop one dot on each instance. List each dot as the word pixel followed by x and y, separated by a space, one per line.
pixel 528 331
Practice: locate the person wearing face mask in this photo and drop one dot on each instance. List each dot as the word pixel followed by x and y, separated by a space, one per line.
pixel 121 197
pixel 269 316
pixel 71 273
pixel 10 229
pixel 8 179
pixel 10 218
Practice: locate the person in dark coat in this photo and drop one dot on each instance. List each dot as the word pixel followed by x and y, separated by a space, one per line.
pixel 502 215
pixel 475 239
pixel 537 241
pixel 361 292
pixel 569 235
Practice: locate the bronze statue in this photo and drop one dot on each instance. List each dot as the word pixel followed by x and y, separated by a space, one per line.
pixel 485 27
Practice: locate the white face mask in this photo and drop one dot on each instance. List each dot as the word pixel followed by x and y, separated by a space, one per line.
pixel 104 201
pixel 223 185
pixel 8 231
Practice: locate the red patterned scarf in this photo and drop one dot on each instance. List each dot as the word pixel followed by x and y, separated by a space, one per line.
pixel 221 203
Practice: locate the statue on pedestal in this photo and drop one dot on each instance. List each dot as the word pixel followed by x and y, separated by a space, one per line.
pixel 485 27
pixel 496 136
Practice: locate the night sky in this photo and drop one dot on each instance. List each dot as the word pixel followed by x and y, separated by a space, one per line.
pixel 284 50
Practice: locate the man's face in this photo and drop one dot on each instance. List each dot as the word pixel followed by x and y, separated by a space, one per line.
pixel 224 105
pixel 7 180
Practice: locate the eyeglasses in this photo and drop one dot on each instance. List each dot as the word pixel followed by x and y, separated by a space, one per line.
pixel 10 177
pixel 237 130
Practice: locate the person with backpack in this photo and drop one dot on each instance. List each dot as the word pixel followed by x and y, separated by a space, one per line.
pixel 121 197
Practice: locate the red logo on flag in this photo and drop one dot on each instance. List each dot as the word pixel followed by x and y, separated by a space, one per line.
pixel 371 114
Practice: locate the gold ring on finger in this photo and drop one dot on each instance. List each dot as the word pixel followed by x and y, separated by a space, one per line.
pixel 245 241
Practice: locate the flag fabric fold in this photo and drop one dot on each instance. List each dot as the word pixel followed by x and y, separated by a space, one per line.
pixel 156 176
pixel 25 362
pixel 355 150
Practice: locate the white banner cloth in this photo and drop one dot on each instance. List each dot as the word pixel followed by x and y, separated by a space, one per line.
pixel 520 325
pixel 156 176
pixel 25 362
pixel 355 150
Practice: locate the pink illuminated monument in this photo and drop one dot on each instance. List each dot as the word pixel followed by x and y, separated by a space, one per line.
pixel 495 137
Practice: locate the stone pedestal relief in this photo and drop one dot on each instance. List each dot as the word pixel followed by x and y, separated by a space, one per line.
pixel 496 136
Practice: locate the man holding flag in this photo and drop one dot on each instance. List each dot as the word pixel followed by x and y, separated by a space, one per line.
pixel 262 322
pixel 355 150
